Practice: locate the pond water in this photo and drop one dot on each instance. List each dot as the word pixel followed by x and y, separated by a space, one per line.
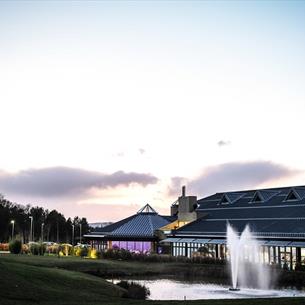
pixel 167 289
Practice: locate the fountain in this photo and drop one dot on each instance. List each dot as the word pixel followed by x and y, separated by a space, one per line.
pixel 246 269
pixel 250 277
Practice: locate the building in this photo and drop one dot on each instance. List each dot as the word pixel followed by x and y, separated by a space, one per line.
pixel 276 217
pixel 135 233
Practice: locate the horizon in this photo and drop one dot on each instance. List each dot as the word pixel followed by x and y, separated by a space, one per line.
pixel 109 105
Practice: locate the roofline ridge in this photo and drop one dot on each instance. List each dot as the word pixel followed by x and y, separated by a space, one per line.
pixel 255 190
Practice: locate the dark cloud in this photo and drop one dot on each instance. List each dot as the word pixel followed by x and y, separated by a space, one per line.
pixel 223 143
pixel 174 189
pixel 234 176
pixel 61 181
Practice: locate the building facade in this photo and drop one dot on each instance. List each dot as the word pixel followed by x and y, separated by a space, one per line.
pixel 275 216
pixel 135 233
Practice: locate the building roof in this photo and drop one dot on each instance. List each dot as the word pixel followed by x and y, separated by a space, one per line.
pixel 270 213
pixel 140 225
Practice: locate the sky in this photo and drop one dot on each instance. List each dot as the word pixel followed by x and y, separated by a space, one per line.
pixel 109 105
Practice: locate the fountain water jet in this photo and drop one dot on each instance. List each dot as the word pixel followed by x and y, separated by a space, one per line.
pixel 246 269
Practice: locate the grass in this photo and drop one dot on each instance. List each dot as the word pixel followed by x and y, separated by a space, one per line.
pixel 109 268
pixel 25 284
pixel 29 280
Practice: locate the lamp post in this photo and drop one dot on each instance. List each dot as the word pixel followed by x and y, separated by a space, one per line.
pixel 72 235
pixel 42 226
pixel 13 227
pixel 31 229
pixel 80 233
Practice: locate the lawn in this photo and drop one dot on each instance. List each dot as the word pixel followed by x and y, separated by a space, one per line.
pixel 28 280
pixel 109 268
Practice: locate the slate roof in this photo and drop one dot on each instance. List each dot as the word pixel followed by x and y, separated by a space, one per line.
pixel 140 225
pixel 271 215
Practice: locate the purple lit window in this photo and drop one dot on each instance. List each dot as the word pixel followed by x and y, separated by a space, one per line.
pixel 138 246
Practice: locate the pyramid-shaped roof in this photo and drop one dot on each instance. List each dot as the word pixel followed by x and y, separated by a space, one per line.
pixel 140 225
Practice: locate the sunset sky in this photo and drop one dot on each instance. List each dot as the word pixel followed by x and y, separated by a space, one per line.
pixel 109 105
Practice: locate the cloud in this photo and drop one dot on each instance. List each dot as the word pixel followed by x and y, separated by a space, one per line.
pixel 174 189
pixel 223 143
pixel 105 212
pixel 62 181
pixel 234 176
pixel 99 212
pixel 142 151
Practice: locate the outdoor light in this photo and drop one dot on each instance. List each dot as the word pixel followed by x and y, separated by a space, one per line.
pixel 13 226
pixel 42 225
pixel 31 229
pixel 80 233
pixel 72 235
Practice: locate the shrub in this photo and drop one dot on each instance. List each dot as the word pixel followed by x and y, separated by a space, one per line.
pixel 123 254
pixel 77 250
pixel 299 267
pixel 15 246
pixel 25 249
pixel 93 253
pixel 4 247
pixel 66 249
pixel 84 252
pixel 81 251
pixel 134 290
pixel 37 248
pixel 52 249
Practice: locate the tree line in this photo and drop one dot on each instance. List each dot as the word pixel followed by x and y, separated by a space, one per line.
pixel 30 223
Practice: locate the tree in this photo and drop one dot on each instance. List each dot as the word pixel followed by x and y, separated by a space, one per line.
pixel 56 227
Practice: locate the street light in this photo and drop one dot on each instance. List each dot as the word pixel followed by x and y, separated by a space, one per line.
pixel 80 233
pixel 13 227
pixel 42 225
pixel 72 235
pixel 31 229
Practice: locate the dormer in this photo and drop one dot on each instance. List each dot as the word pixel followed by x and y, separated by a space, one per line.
pixel 263 196
pixel 228 198
pixel 224 200
pixel 295 194
pixel 257 198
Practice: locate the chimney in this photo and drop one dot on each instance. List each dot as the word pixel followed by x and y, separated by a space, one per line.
pixel 183 191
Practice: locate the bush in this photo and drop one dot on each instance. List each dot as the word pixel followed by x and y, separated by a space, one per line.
pixel 52 249
pixel 134 290
pixel 37 248
pixel 4 247
pixel 15 246
pixel 84 252
pixel 25 249
pixel 122 254
pixel 81 251
pixel 299 267
pixel 93 253
pixel 66 249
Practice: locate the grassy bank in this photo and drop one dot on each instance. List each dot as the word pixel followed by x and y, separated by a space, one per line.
pixel 25 284
pixel 28 280
pixel 116 268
